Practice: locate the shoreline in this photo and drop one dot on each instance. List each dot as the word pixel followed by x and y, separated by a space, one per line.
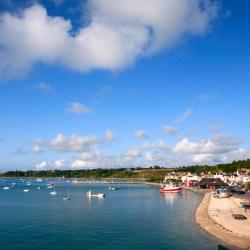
pixel 215 226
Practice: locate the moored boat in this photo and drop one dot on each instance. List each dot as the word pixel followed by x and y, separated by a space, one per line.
pixel 170 188
pixel 99 195
pixel 112 188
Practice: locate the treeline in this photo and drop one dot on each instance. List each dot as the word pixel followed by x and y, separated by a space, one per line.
pixel 227 168
pixel 95 173
pixel 152 173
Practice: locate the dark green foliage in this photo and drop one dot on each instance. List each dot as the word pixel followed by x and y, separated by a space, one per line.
pixel 154 174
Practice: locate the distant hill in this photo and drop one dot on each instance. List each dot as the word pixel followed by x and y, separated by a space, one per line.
pixel 153 173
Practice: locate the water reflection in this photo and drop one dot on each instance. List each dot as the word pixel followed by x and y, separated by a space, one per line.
pixel 170 197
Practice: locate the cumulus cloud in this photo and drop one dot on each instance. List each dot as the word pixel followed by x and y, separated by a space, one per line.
pixel 77 108
pixel 73 143
pixel 140 134
pixel 37 149
pixel 118 33
pixel 49 165
pixel 42 166
pixel 215 145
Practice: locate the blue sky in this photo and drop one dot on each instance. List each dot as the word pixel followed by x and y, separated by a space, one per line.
pixel 92 83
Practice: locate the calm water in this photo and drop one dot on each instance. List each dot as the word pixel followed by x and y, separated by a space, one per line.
pixel 133 217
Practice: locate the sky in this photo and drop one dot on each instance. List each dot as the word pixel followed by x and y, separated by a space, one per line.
pixel 113 83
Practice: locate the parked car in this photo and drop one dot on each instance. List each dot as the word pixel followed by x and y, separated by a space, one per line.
pixel 235 191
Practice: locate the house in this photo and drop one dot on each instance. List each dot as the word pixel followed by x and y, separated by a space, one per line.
pixel 190 180
pixel 211 183
pixel 172 176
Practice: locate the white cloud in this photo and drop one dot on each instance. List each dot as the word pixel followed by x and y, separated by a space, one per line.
pixel 215 145
pixel 73 143
pixel 110 136
pixel 76 164
pixel 49 165
pixel 38 141
pixel 44 87
pixel 170 130
pixel 134 152
pixel 118 33
pixel 59 163
pixel 184 116
pixel 156 145
pixel 42 166
pixel 37 149
pixel 77 108
pixel 140 134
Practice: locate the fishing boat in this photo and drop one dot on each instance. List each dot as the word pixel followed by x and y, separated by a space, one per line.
pixel 6 188
pixel 26 190
pixel 170 188
pixel 99 195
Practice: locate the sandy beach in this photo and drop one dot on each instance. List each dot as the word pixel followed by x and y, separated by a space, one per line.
pixel 215 216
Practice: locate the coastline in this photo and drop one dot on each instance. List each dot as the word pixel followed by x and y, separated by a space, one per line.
pixel 219 228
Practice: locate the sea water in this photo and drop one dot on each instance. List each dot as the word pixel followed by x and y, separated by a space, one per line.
pixel 134 217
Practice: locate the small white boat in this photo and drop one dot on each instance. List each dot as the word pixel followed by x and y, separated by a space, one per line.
pixel 38 187
pixel 49 187
pixel 99 195
pixel 53 192
pixel 67 198
pixel 28 184
pixel 112 188
pixel 39 180
pixel 26 190
pixel 6 188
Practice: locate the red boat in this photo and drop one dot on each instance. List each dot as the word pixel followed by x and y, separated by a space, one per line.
pixel 170 188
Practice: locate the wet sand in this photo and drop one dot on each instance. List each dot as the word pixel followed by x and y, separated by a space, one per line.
pixel 215 216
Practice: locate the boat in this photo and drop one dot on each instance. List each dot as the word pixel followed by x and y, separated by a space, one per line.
pixel 112 188
pixel 28 183
pixel 26 190
pixel 67 198
pixel 6 188
pixel 38 187
pixel 39 180
pixel 50 185
pixel 53 192
pixel 99 195
pixel 170 188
